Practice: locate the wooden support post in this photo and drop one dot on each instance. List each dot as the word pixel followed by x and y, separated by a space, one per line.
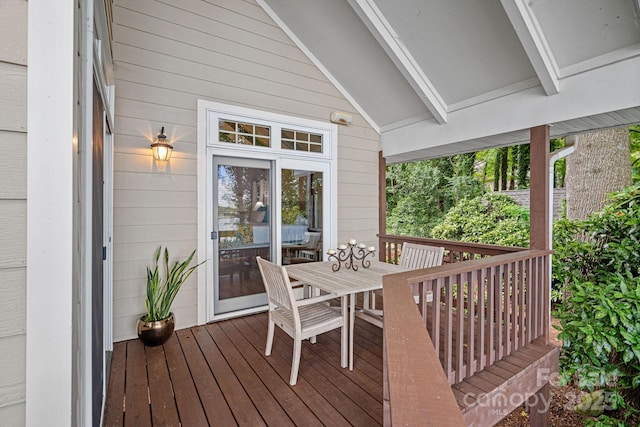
pixel 539 196
pixel 539 408
pixel 540 215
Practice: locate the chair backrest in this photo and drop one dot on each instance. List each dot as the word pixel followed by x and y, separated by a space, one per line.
pixel 314 239
pixel 276 282
pixel 414 256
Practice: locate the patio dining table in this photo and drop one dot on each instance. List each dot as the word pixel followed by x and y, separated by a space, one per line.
pixel 345 283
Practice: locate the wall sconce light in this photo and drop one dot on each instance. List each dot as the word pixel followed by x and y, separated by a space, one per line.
pixel 161 148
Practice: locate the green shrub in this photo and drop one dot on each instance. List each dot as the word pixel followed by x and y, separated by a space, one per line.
pixel 493 219
pixel 598 261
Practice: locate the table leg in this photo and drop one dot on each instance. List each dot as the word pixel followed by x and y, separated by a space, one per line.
pixel 345 333
pixel 352 321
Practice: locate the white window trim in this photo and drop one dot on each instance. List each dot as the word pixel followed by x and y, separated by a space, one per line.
pixel 207 125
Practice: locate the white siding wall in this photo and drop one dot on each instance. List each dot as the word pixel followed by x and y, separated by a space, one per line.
pixel 168 55
pixel 13 196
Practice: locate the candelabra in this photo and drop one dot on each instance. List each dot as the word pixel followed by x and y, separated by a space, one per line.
pixel 350 252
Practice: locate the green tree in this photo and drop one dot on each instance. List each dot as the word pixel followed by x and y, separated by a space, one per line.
pixel 420 193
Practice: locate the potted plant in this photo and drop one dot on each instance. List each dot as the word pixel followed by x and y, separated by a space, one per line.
pixel 156 326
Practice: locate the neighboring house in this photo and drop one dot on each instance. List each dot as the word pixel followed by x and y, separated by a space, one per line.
pixel 85 86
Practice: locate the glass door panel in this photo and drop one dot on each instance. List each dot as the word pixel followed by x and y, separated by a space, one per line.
pixel 302 216
pixel 242 224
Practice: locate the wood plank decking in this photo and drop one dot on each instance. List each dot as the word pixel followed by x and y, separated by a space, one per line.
pixel 217 374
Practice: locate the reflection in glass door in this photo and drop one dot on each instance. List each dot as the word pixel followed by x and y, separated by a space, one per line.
pixel 302 210
pixel 242 225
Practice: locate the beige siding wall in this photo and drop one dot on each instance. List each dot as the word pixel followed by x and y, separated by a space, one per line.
pixel 168 56
pixel 13 202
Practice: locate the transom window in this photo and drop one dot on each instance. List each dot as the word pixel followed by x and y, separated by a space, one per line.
pixel 301 141
pixel 244 133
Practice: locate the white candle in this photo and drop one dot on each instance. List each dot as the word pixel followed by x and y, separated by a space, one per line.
pixel 352 242
pixel 362 246
pixel 371 248
pixel 331 252
pixel 342 247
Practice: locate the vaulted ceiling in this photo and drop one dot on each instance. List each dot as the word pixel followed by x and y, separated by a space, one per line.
pixel 437 77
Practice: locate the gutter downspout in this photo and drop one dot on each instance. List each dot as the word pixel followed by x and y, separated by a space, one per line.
pixel 553 158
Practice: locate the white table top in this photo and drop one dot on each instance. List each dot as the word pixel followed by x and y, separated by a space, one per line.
pixel 344 281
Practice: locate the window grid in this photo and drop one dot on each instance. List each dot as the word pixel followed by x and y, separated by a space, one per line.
pixel 243 133
pixel 301 141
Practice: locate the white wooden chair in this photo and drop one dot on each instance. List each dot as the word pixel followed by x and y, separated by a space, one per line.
pixel 300 319
pixel 413 257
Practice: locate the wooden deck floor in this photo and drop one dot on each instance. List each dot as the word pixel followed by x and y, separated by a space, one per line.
pixel 217 374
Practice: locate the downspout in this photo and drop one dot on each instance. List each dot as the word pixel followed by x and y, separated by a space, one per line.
pixel 553 158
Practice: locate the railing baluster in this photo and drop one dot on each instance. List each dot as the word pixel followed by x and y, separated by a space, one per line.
pixel 506 314
pixel 472 286
pixel 438 284
pixel 491 286
pixel 521 295
pixel 529 300
pixel 482 316
pixel 459 329
pixel 448 324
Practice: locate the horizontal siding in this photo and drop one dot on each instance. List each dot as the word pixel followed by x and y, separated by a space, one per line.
pixel 167 56
pixel 13 415
pixel 12 372
pixel 13 32
pixel 13 299
pixel 13 165
pixel 13 233
pixel 13 215
pixel 13 97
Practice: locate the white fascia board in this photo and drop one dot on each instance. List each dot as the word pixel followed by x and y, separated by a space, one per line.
pixel 611 88
pixel 382 30
pixel 534 43
pixel 50 225
pixel 318 64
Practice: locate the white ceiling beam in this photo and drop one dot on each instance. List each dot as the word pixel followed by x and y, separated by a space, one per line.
pixel 534 43
pixel 598 91
pixel 380 28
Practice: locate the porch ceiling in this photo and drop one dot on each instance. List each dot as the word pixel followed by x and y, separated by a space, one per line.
pixel 445 76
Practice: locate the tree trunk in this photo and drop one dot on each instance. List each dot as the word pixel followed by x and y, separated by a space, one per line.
pixel 523 166
pixel 504 169
pixel 600 164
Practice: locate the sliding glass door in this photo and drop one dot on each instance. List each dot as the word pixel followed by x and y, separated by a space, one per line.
pixel 242 215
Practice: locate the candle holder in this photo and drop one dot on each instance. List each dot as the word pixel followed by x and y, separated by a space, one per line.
pixel 348 253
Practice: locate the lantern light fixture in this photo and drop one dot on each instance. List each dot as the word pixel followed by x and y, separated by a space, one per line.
pixel 161 148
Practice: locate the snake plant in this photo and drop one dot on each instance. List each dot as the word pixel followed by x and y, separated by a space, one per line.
pixel 162 291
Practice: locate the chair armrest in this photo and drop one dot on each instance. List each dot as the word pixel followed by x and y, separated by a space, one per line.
pixel 314 300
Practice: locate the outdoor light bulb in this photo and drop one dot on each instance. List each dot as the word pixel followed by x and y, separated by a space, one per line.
pixel 163 153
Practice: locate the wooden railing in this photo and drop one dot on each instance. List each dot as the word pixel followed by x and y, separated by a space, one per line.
pixel 476 312
pixel 391 247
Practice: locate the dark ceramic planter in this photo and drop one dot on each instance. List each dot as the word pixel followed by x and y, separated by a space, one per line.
pixel 155 333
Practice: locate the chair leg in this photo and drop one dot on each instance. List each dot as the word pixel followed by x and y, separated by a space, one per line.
pixel 295 363
pixel 270 330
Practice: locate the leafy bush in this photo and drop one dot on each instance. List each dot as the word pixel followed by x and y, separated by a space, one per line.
pixel 598 260
pixel 493 219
